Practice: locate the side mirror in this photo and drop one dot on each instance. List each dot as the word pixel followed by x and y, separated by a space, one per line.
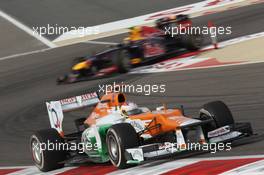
pixel 160 108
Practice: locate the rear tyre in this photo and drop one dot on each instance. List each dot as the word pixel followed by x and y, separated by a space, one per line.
pixel 192 42
pixel 61 79
pixel 122 61
pixel 119 138
pixel 47 159
pixel 219 112
pixel 182 18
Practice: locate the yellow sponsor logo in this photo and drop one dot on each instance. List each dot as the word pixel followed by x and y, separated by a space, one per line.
pixel 136 60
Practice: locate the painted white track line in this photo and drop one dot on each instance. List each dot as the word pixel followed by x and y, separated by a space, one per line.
pixel 100 42
pixel 24 54
pixel 44 50
pixel 26 29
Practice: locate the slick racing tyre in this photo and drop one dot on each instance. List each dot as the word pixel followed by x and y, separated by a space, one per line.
pixel 219 112
pixel 182 18
pixel 47 159
pixel 192 42
pixel 122 61
pixel 119 138
pixel 62 79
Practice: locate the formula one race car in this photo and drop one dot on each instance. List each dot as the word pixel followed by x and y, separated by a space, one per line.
pixel 143 45
pixel 125 134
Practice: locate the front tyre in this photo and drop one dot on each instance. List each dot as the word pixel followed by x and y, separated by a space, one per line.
pixel 119 138
pixel 47 159
pixel 219 113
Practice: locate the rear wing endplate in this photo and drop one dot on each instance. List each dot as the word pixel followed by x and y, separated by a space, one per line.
pixel 57 108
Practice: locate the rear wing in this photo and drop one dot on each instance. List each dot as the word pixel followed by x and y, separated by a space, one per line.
pixel 57 108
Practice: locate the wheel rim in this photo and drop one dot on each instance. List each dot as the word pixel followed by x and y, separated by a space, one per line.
pixel 209 126
pixel 36 151
pixel 126 62
pixel 113 147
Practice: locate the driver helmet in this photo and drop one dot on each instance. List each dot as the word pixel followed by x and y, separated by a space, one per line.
pixel 135 33
pixel 129 106
pixel 160 22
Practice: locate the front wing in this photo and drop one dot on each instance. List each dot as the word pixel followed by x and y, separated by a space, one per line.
pixel 226 134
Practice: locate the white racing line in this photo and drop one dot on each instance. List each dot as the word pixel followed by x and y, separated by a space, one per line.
pixel 26 29
pixel 47 49
pixel 100 42
pixel 24 54
pixel 40 38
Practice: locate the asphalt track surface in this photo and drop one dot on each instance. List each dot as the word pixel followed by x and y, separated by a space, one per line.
pixel 15 40
pixel 82 13
pixel 26 82
pixel 66 13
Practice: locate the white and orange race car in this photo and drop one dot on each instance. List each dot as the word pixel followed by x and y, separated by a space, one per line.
pixel 125 134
